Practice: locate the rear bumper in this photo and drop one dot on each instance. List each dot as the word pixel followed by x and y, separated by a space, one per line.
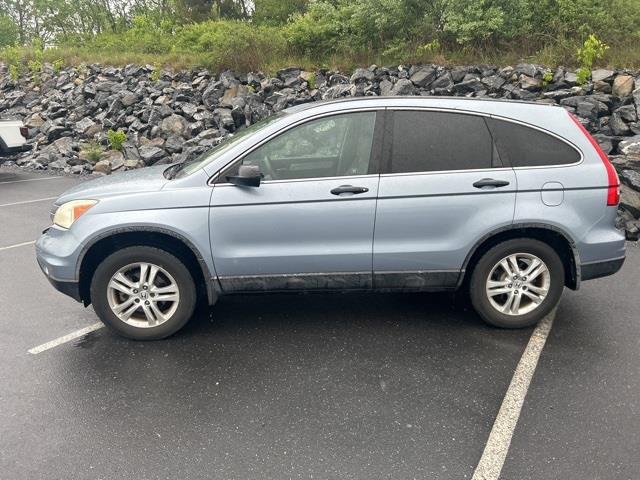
pixel 592 270
pixel 5 152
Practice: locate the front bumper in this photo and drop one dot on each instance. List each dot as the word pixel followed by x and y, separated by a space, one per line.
pixel 71 289
pixel 57 253
pixel 592 270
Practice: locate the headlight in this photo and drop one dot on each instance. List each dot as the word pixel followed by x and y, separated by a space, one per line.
pixel 69 212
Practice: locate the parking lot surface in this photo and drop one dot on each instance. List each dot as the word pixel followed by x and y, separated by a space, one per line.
pixel 318 386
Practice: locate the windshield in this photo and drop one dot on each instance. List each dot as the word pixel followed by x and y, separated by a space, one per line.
pixel 190 166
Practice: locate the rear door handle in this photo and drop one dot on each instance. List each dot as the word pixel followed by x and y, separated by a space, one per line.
pixel 490 182
pixel 349 189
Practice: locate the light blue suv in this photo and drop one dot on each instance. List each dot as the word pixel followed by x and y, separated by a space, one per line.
pixel 513 201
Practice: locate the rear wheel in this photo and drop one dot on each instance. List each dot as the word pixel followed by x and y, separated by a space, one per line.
pixel 143 293
pixel 516 283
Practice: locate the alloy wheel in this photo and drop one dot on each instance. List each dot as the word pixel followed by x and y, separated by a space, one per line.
pixel 143 295
pixel 518 284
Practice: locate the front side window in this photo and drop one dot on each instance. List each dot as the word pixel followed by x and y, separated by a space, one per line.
pixel 339 145
pixel 427 141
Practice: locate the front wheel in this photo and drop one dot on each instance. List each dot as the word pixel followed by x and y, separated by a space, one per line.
pixel 516 283
pixel 143 293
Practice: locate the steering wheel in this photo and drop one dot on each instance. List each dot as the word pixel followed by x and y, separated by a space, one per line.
pixel 268 168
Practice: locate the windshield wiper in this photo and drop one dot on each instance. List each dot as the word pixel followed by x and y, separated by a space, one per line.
pixel 171 172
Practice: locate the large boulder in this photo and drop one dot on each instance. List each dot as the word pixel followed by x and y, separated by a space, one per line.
pixel 174 125
pixel 630 146
pixel 623 85
pixel 423 77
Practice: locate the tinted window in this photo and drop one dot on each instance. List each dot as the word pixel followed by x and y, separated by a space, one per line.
pixel 435 141
pixel 338 145
pixel 527 147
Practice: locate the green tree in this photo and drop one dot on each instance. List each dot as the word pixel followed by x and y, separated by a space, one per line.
pixel 8 31
pixel 277 12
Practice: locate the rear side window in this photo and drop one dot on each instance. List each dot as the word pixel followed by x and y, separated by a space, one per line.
pixel 426 141
pixel 523 146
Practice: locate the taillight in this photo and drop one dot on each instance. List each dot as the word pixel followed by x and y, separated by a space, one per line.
pixel 24 131
pixel 613 183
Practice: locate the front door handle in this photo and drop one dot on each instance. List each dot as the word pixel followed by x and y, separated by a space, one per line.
pixel 490 182
pixel 349 189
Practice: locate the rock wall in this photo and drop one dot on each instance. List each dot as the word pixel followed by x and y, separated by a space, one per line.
pixel 173 116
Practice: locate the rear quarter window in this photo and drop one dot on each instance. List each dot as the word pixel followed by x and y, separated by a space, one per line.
pixel 524 146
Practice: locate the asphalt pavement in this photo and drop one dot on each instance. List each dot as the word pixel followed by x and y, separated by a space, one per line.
pixel 393 386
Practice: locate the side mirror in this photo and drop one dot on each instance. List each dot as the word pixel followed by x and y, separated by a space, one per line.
pixel 248 176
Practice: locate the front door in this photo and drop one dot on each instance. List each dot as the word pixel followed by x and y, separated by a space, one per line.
pixel 443 188
pixel 309 225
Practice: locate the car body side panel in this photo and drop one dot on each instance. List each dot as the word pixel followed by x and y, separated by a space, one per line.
pixel 183 212
pixel 292 227
pixel 583 212
pixel 430 221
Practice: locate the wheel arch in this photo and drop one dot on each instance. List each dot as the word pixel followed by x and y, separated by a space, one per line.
pixel 553 236
pixel 108 242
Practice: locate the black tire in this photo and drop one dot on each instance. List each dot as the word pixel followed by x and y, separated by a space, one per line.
pixel 114 262
pixel 482 270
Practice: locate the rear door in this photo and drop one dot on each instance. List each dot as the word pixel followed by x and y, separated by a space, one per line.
pixel 309 225
pixel 443 188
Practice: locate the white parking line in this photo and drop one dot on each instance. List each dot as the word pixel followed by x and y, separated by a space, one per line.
pixel 27 201
pixel 18 245
pixel 31 180
pixel 66 338
pixel 497 447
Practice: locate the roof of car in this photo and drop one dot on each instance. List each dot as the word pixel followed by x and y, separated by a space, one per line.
pixel 543 115
pixel 418 100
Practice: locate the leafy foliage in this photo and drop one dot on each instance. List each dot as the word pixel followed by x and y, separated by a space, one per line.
pixel 592 49
pixel 250 34
pixel 8 31
pixel 92 151
pixel 116 139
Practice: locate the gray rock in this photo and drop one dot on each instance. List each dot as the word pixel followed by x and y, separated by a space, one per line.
pixel 627 113
pixel 443 82
pixel 630 146
pixel 403 86
pixel 337 91
pixel 423 77
pixel 64 146
pixel 605 142
pixel 174 125
pixel 527 69
pixel 128 98
pixel 362 75
pixel 631 178
pixel 59 164
pixel 493 82
pixel 468 86
pixel 174 144
pixel 618 126
pixel 56 132
pixel 386 87
pixel 571 78
pixel 602 75
pixel 82 125
pixel 530 83
pixel 150 154
pixel 224 118
pixel 115 159
pixel 102 166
